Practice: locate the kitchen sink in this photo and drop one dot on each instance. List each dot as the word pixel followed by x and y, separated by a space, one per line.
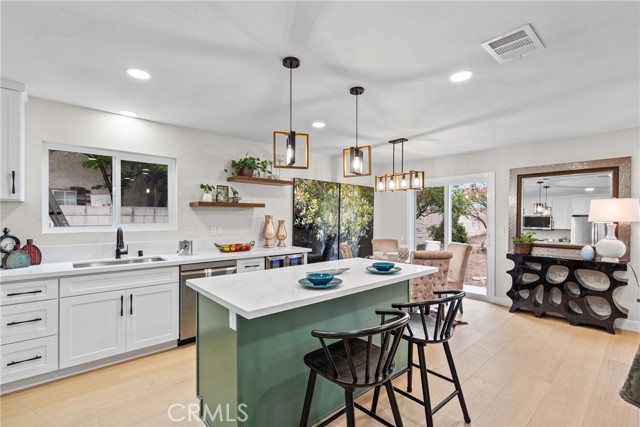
pixel 126 261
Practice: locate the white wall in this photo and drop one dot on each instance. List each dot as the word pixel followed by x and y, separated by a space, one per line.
pixel 201 157
pixel 392 212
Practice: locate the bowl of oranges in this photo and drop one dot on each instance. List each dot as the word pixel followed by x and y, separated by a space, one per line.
pixel 235 247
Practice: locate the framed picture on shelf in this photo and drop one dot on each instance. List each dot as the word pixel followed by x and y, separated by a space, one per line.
pixel 222 193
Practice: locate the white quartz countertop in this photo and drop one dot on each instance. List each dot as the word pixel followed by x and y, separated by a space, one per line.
pixel 261 293
pixel 61 269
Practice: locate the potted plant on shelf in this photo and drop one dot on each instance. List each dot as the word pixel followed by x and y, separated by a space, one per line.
pixel 246 165
pixel 522 243
pixel 236 196
pixel 207 188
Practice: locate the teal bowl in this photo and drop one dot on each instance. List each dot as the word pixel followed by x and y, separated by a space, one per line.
pixel 383 266
pixel 320 279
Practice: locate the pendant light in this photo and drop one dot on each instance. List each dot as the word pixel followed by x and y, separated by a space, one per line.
pixel 538 208
pixel 402 181
pixel 547 209
pixel 286 156
pixel 356 161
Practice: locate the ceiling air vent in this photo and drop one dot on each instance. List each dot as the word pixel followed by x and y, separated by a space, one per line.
pixel 513 44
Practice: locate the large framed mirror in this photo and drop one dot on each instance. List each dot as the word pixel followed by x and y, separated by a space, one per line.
pixel 553 202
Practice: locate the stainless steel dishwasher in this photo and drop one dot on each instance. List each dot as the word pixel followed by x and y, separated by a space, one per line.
pixel 188 295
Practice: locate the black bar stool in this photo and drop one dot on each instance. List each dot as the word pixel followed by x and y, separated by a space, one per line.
pixel 354 361
pixel 422 330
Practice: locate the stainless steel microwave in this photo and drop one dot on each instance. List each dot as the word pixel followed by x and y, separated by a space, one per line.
pixel 537 222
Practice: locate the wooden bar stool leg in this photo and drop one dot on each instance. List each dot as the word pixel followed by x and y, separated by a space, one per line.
pixel 456 381
pixel 304 420
pixel 410 366
pixel 376 396
pixel 348 401
pixel 425 386
pixel 397 419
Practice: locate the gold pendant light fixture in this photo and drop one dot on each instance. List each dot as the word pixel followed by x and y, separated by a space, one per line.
pixel 356 161
pixel 402 181
pixel 289 145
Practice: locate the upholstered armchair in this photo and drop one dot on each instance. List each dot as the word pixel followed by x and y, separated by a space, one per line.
pixel 422 287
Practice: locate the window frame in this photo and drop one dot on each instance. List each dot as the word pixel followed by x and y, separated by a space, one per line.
pixel 118 157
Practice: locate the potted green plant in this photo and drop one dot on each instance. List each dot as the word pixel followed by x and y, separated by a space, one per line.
pixel 246 165
pixel 522 243
pixel 207 188
pixel 236 196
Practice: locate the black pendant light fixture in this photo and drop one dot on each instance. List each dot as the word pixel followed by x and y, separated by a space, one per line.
pixel 356 161
pixel 402 181
pixel 538 207
pixel 286 156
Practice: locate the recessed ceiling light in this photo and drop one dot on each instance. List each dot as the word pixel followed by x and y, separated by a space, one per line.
pixel 128 113
pixel 460 76
pixel 318 124
pixel 138 74
pixel 589 189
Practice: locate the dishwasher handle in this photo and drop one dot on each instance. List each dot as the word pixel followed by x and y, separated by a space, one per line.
pixel 210 271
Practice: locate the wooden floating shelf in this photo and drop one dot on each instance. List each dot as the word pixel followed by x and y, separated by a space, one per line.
pixel 225 205
pixel 261 181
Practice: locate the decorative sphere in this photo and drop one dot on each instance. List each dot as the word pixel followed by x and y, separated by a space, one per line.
pixel 587 253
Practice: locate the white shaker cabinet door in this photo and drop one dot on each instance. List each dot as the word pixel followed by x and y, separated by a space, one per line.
pixel 152 314
pixel 92 327
pixel 12 146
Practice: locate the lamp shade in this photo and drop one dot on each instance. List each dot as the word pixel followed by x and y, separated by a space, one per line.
pixel 614 210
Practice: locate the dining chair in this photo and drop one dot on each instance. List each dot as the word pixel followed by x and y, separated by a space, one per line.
pixel 422 288
pixel 458 265
pixel 385 245
pixel 345 250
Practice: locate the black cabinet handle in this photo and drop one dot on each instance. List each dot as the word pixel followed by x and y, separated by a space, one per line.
pixel 121 305
pixel 37 319
pixel 25 360
pixel 23 293
pixel 13 182
pixel 131 304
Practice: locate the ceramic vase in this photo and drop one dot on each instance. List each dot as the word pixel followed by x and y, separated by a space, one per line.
pixel 268 231
pixel 281 234
pixel 207 197
pixel 33 251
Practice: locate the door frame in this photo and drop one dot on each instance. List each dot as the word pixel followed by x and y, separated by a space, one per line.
pixel 447 182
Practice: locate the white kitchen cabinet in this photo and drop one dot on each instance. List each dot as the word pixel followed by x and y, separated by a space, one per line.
pixel 561 210
pixel 28 358
pixel 153 316
pixel 92 327
pixel 103 315
pixel 12 145
pixel 28 321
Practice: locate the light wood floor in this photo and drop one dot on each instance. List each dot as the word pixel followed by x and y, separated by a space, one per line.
pixel 516 370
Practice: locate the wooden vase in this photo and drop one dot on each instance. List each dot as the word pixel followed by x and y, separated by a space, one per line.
pixel 281 234
pixel 268 231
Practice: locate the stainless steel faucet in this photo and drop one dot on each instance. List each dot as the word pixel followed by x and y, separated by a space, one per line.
pixel 121 248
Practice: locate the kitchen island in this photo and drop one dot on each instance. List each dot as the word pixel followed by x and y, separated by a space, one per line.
pixel 254 329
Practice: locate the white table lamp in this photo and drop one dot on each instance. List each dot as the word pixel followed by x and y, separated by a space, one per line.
pixel 610 211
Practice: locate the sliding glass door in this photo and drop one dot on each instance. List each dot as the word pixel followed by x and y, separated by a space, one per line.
pixel 459 209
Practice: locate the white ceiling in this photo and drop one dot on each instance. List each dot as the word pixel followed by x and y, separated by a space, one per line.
pixel 216 66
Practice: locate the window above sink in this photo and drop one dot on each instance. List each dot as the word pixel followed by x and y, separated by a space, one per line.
pixel 90 190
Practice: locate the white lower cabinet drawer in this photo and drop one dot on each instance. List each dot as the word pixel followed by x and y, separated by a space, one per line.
pixel 28 358
pixel 29 291
pixel 251 264
pixel 27 321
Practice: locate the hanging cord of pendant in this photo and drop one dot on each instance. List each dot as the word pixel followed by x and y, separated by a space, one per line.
pixel 357 121
pixel 393 169
pixel 290 99
pixel 402 158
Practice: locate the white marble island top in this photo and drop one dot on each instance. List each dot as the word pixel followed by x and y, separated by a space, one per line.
pixel 261 293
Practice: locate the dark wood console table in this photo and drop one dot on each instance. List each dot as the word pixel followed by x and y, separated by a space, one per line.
pixel 580 291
